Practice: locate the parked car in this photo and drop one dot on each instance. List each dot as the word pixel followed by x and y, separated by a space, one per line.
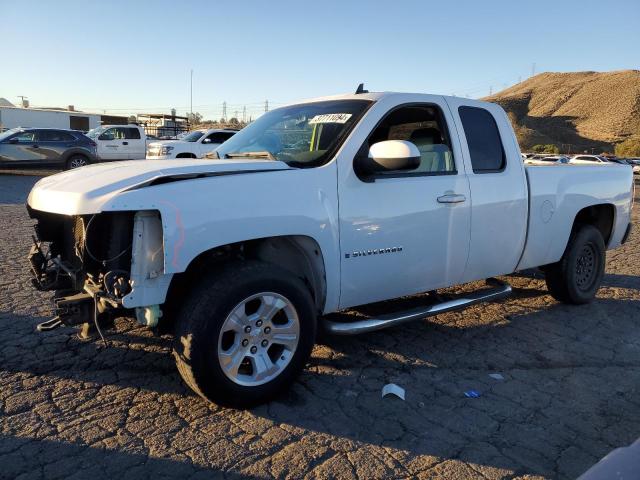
pixel 546 159
pixel 119 142
pixel 194 145
pixel 635 164
pixel 246 256
pixel 45 147
pixel 589 159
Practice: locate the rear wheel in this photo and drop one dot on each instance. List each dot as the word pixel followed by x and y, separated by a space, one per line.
pixel 244 334
pixel 577 276
pixel 76 161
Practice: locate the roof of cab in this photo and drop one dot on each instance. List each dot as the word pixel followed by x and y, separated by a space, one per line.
pixel 376 96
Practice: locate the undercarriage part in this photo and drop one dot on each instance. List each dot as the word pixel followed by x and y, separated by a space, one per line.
pixel 497 291
pixel 50 273
pixel 45 326
pixel 148 316
pixel 74 309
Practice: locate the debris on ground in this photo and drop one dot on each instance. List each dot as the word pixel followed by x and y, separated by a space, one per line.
pixel 393 389
pixel 496 376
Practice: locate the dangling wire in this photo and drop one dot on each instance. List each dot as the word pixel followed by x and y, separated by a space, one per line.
pixel 95 320
pixel 86 247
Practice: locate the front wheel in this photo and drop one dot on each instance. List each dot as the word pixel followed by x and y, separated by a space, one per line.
pixel 244 334
pixel 577 276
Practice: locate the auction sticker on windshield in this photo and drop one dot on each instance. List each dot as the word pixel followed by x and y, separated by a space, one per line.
pixel 330 118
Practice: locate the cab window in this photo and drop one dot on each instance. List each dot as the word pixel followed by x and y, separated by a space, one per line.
pixel 425 127
pixel 132 133
pixel 55 136
pixel 115 133
pixel 483 139
pixel 24 137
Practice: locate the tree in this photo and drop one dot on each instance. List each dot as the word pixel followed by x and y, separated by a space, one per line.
pixel 549 148
pixel 629 148
pixel 194 118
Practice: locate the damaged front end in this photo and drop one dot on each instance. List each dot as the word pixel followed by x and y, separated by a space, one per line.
pixel 88 260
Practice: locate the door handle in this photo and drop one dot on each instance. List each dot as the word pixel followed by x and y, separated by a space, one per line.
pixel 452 198
pixel 125 143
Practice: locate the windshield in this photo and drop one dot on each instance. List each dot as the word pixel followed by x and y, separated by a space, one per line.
pixel 302 135
pixel 8 133
pixel 192 137
pixel 95 132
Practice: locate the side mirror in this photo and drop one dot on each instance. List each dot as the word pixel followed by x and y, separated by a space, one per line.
pixel 390 156
pixel 13 140
pixel 206 140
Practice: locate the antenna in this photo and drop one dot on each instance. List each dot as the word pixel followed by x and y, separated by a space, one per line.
pixel 361 89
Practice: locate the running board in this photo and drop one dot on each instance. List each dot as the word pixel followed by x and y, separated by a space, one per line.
pixel 499 290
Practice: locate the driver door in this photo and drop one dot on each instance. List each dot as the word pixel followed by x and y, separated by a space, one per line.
pixel 112 144
pixel 406 232
pixel 21 148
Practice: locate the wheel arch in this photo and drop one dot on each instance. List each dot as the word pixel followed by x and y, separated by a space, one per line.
pixel 601 216
pixel 186 155
pixel 299 254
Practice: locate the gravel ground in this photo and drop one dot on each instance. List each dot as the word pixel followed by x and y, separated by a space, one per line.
pixel 71 409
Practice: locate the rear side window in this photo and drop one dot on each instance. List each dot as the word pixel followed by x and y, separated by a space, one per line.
pixel 132 133
pixel 55 136
pixel 483 139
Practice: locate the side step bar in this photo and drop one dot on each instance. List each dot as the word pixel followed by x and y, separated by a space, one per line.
pixel 499 290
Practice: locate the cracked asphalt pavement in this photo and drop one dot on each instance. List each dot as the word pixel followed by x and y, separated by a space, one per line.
pixel 72 409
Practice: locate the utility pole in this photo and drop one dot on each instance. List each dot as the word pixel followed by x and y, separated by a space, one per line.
pixel 266 105
pixel 192 93
pixel 244 114
pixel 224 111
pixel 21 97
pixel 533 69
pixel 236 115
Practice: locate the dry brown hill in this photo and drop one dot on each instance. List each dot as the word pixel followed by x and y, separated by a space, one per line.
pixel 576 111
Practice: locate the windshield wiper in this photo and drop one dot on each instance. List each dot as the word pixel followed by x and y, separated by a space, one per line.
pixel 262 154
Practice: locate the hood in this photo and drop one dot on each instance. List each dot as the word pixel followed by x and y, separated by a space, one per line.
pixel 161 143
pixel 85 190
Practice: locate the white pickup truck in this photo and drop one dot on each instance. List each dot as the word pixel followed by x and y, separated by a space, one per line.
pixel 194 145
pixel 312 209
pixel 119 142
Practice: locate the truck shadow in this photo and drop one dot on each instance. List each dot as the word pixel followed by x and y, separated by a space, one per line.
pixel 36 458
pixel 565 370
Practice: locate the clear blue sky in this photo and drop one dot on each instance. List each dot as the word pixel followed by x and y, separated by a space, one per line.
pixel 131 56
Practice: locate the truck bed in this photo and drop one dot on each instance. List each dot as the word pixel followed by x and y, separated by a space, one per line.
pixel 557 191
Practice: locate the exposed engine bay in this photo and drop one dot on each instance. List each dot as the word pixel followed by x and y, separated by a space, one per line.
pixel 86 260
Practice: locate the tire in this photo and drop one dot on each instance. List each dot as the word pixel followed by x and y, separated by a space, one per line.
pixel 207 335
pixel 576 278
pixel 76 161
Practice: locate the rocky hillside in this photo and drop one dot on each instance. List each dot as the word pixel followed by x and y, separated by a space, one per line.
pixel 576 111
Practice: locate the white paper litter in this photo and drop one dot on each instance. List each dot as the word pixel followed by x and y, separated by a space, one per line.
pixel 393 389
pixel 496 376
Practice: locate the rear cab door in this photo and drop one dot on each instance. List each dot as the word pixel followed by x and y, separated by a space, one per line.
pixel 53 143
pixel 135 144
pixel 498 186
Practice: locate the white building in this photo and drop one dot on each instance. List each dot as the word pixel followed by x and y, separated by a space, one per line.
pixel 12 117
